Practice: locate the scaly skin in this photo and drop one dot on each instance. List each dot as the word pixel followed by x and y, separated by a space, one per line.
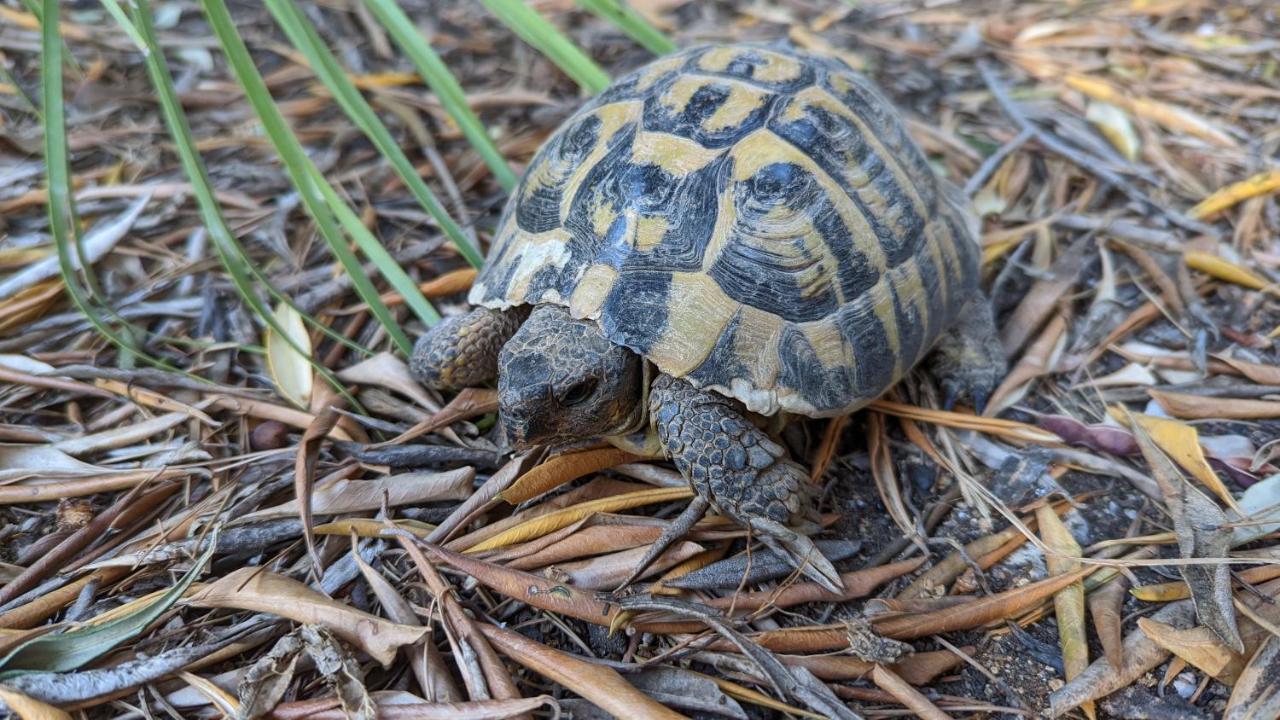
pixel 462 351
pixel 968 360
pixel 739 470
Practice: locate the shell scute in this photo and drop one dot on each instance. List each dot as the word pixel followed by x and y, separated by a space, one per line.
pixel 749 217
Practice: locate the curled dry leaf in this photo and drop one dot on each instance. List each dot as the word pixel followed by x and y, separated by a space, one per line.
pixel 289 356
pixel 526 587
pixel 601 685
pixel 388 371
pixel 1197 407
pixel 911 698
pixel 255 589
pixel 1141 654
pixel 1068 603
pixel 1115 125
pixel 1203 533
pixel 562 469
pixel 1226 197
pixel 1257 692
pixel 1181 442
pixel 1105 605
pixel 304 472
pixel 1198 646
pixel 342 495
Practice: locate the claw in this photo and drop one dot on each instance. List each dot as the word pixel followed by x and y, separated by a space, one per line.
pixel 981 395
pixel 951 393
pixel 677 529
pixel 801 551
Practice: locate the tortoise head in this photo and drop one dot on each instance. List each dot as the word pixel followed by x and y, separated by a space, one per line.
pixel 560 381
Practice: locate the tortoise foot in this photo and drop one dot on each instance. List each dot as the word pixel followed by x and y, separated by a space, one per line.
pixel 738 470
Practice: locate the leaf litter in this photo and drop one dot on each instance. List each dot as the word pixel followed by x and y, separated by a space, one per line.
pixel 236 533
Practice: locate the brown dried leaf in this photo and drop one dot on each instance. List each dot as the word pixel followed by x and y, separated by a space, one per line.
pixel 563 469
pixel 304 468
pixel 1141 655
pixel 342 495
pixel 1198 646
pixel 1199 407
pixel 978 612
pixel 526 587
pixel 1068 603
pixel 601 685
pixel 1257 692
pixel 1203 532
pixel 252 588
pixel 911 698
pixel 1105 605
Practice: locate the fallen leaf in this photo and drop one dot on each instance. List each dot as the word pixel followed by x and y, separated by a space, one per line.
pixel 1181 442
pixel 1223 198
pixel 1068 603
pixel 343 495
pixel 1257 691
pixel 1199 407
pixel 1170 116
pixel 1115 126
pixel 1105 607
pixel 563 469
pixel 289 356
pixel 912 699
pixel 597 683
pixel 1203 533
pixel 1198 646
pixel 1141 655
pixel 255 589
pixel 539 526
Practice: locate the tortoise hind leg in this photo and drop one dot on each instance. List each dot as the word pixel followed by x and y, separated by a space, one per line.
pixel 462 350
pixel 737 469
pixel 968 360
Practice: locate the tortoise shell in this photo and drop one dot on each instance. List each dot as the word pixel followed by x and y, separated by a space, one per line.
pixel 748 217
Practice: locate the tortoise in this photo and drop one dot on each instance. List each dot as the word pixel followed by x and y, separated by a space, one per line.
pixel 728 233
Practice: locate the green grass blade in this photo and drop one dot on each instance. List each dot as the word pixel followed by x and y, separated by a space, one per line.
pixel 443 83
pixel 325 65
pixel 117 13
pixel 298 166
pixel 241 270
pixel 632 23
pixel 542 35
pixel 62 219
pixel 75 648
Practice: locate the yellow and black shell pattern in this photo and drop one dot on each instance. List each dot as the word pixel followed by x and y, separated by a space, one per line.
pixel 748 217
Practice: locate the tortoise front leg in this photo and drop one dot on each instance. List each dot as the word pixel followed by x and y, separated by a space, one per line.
pixel 462 351
pixel 734 466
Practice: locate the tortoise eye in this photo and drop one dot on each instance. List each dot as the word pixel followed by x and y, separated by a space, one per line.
pixel 579 392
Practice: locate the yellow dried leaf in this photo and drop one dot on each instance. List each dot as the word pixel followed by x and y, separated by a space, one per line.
pixel 1068 603
pixel 371 528
pixel 539 526
pixel 1162 592
pixel 1181 443
pixel 226 703
pixel 991 426
pixel 562 469
pixel 1221 269
pixel 1170 116
pixel 1114 124
pixel 289 368
pixel 1199 646
pixel 1223 198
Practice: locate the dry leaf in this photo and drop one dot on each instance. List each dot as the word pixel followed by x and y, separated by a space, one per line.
pixel 253 588
pixel 597 683
pixel 1068 603
pixel 539 592
pixel 1223 198
pixel 912 699
pixel 1174 118
pixel 539 526
pixel 1141 654
pixel 290 368
pixel 1181 442
pixel 1198 646
pixel 1114 124
pixel 388 371
pixel 1105 606
pixel 1203 533
pixel 1257 692
pixel 345 496
pixel 563 469
pixel 1199 407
